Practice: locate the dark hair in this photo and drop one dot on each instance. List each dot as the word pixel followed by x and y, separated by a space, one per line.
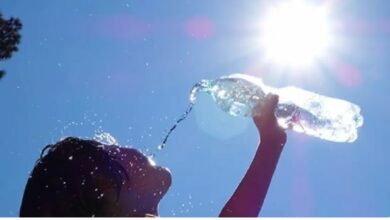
pixel 74 177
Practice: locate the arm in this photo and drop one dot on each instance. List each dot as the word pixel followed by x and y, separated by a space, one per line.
pixel 249 196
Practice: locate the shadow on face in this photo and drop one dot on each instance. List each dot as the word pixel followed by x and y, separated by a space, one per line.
pixel 146 184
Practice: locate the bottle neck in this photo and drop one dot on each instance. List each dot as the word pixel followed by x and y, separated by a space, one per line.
pixel 202 86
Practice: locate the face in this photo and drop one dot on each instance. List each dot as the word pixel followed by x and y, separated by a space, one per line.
pixel 146 185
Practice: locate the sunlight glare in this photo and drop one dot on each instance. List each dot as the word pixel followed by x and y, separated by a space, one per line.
pixel 295 33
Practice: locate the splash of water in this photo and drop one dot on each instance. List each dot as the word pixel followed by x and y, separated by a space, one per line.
pixel 105 138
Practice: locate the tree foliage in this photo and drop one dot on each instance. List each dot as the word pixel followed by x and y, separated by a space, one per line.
pixel 9 38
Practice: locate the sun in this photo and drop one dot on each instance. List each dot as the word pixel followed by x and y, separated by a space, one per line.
pixel 295 33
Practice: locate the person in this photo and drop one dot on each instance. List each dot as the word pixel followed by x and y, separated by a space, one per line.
pixel 84 178
pixel 81 178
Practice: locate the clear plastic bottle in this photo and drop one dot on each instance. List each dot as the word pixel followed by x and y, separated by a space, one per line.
pixel 300 110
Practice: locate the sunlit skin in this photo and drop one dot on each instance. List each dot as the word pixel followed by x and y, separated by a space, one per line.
pixel 295 33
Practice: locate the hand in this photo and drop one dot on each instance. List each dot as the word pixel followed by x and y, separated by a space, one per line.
pixel 266 123
pixel 247 200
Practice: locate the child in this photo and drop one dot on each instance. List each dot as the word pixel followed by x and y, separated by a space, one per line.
pixel 83 178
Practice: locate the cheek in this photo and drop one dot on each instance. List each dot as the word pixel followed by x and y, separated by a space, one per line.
pixel 139 176
pixel 147 183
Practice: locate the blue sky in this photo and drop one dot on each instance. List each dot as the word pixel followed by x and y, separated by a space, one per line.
pixel 127 66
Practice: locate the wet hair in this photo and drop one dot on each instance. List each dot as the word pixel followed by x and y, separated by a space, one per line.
pixel 74 178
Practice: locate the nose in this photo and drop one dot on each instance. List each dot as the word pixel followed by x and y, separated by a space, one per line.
pixel 165 176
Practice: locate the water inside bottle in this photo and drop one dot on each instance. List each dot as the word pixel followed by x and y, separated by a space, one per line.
pixel 236 94
pixel 299 110
pixel 319 116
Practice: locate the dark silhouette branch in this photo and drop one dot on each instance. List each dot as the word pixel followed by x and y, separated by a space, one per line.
pixel 9 38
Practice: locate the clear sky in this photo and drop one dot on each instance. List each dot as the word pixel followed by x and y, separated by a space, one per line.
pixel 126 67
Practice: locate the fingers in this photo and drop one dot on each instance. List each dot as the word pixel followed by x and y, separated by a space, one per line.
pixel 267 106
pixel 265 112
pixel 267 124
pixel 270 103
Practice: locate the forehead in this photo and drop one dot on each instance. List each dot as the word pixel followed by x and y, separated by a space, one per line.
pixel 129 154
pixel 132 154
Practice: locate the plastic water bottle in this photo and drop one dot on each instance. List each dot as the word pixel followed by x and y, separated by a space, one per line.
pixel 300 110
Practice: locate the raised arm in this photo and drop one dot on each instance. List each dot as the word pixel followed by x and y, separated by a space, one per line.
pixel 249 196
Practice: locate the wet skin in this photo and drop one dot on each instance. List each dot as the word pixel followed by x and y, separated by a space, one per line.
pixel 146 184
